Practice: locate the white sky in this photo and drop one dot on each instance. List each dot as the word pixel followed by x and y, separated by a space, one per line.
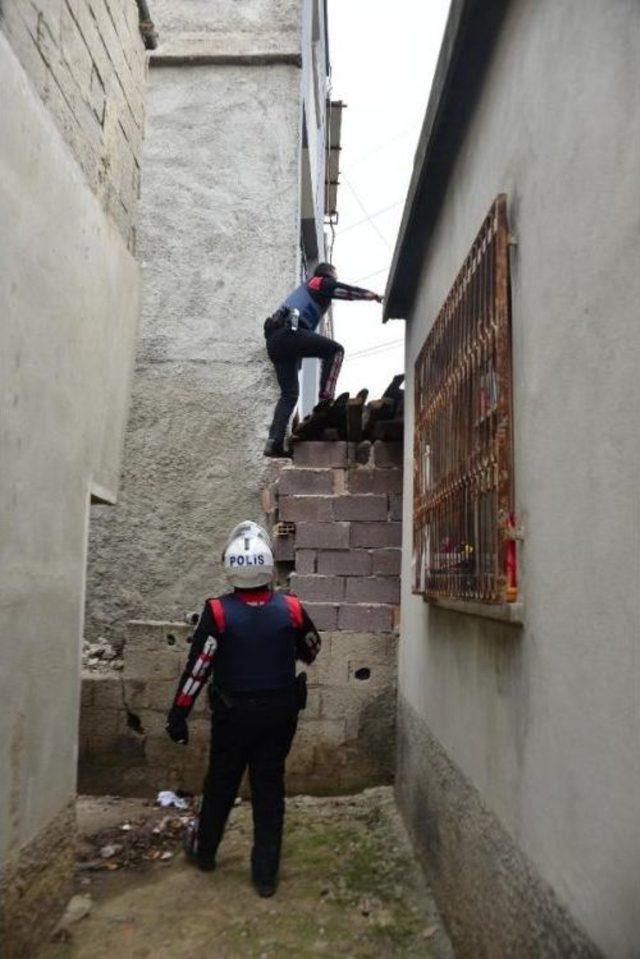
pixel 383 56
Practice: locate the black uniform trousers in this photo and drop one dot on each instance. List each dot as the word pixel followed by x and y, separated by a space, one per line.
pixel 286 350
pixel 256 731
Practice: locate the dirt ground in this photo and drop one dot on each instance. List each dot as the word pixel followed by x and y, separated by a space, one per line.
pixel 349 887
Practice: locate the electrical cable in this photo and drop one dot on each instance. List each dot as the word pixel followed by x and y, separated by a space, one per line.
pixel 380 348
pixel 361 279
pixel 373 224
pixel 385 209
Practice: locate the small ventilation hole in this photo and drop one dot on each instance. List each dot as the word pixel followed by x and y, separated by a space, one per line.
pixel 133 722
pixel 171 639
pixel 363 673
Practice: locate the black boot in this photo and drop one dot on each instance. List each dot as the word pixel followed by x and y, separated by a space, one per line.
pixel 275 449
pixel 266 886
pixel 264 870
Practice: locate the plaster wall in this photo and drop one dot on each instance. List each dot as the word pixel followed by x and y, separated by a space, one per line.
pixel 219 247
pixel 543 720
pixel 255 19
pixel 69 305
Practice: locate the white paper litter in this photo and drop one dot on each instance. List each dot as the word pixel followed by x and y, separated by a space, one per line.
pixel 166 797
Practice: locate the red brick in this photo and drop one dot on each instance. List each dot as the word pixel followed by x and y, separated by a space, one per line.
pixel 320 454
pixel 375 481
pixel 395 506
pixel 322 535
pixel 309 509
pixel 294 480
pixel 324 615
pixel 318 589
pixel 373 589
pixel 386 562
pixel 351 562
pixel 365 619
pixel 376 534
pixel 387 454
pixel 360 508
pixel 305 561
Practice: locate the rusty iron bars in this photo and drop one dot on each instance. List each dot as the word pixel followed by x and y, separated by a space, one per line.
pixel 463 466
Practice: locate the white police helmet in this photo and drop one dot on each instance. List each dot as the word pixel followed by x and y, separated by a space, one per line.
pixel 248 556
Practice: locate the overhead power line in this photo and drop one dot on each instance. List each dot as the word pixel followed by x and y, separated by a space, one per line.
pixel 367 215
pixel 366 219
pixel 361 279
pixel 380 348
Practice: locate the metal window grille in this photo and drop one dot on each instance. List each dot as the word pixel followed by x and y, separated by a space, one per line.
pixel 463 472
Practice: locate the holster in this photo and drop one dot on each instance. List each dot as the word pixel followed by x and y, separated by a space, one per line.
pixel 301 690
pixel 279 319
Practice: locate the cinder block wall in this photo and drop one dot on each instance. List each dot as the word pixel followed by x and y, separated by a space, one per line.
pixel 345 501
pixel 85 59
pixel 342 558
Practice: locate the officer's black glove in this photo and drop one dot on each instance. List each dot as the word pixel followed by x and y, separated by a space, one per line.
pixel 177 729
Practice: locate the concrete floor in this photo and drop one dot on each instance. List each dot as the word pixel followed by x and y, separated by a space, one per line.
pixel 349 887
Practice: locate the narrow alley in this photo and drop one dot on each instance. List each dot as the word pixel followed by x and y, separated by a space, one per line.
pixel 319 479
pixel 349 886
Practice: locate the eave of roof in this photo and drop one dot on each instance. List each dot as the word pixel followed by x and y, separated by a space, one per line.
pixel 469 37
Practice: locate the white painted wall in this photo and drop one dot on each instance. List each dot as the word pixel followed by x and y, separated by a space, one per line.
pixel 544 721
pixel 69 307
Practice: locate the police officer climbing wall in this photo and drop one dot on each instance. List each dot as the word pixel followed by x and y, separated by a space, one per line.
pixel 250 640
pixel 291 337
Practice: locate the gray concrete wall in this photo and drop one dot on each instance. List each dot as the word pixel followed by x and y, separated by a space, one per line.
pixel 219 243
pixel 69 307
pixel 542 721
pixel 344 740
pixel 85 59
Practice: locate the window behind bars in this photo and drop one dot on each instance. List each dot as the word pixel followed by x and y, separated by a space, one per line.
pixel 463 473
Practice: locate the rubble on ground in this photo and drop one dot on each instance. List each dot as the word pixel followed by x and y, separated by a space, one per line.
pixel 150 836
pixel 101 656
pixel 349 887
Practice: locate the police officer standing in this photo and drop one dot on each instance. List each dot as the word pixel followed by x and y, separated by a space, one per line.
pixel 250 638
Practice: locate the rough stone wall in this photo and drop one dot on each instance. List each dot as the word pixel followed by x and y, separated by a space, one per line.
pixel 87 61
pixel 346 734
